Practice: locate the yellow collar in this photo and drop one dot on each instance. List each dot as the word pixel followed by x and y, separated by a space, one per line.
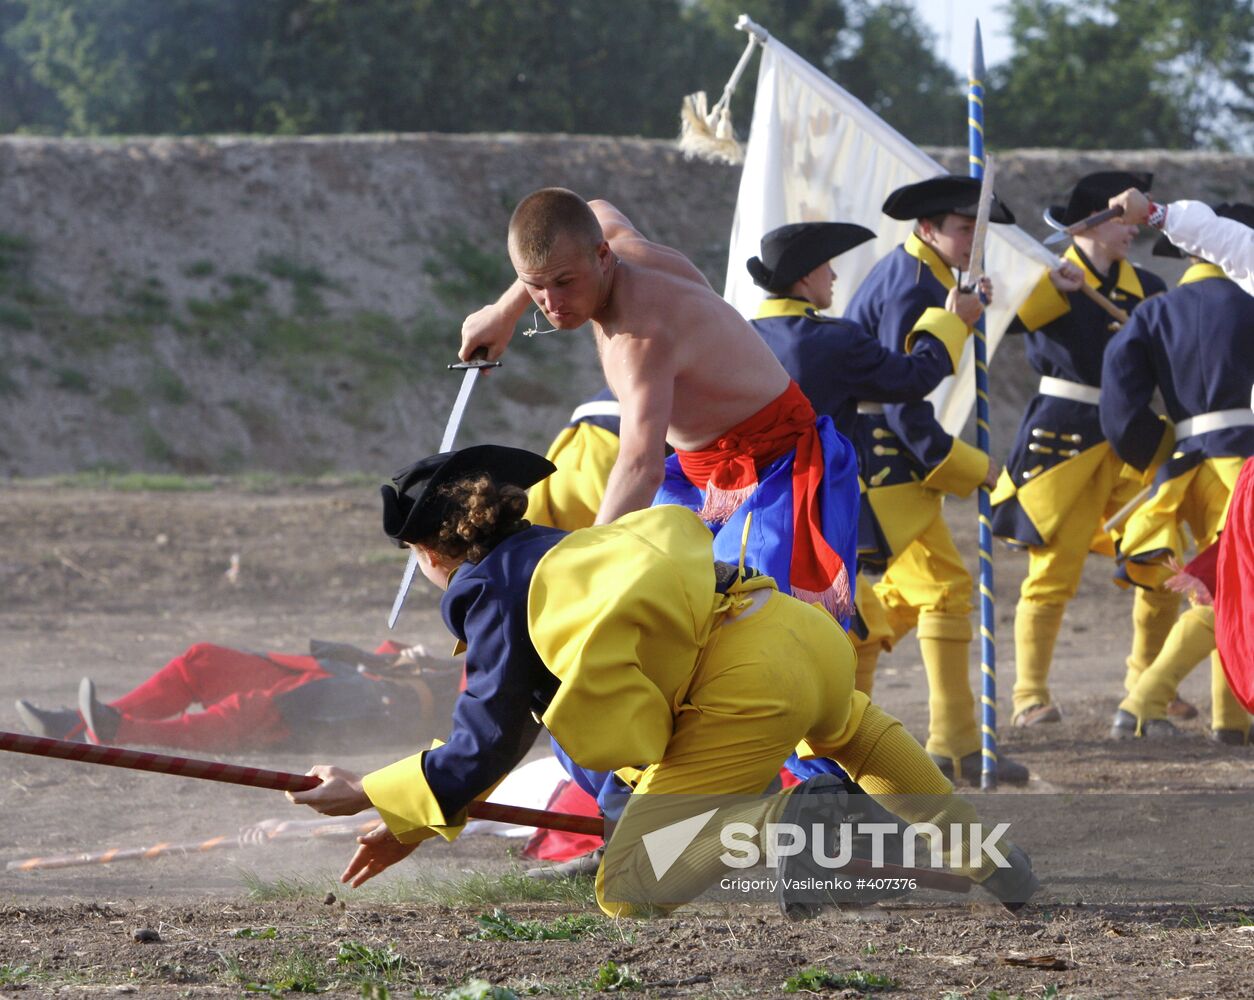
pixel 1202 271
pixel 1126 282
pixel 916 248
pixel 783 306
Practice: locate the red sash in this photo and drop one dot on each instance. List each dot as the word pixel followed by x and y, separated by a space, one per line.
pixel 727 470
pixel 1234 590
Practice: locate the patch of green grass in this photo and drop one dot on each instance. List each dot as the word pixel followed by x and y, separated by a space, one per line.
pixel 131 482
pixel 9 386
pixel 246 286
pixel 464 273
pixel 168 386
pixel 243 295
pixel 814 980
pixel 296 972
pixel 478 989
pixel 13 249
pixel 304 279
pixel 1193 920
pixel 123 401
pixel 385 963
pixel 288 887
pixel 612 977
pixel 15 317
pixel 491 890
pixel 199 269
pixel 11 975
pixel 71 380
pixel 252 934
pixel 156 448
pixel 149 302
pixel 500 926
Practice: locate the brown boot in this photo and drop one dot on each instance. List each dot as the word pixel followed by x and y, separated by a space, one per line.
pixel 1038 714
pixel 1178 708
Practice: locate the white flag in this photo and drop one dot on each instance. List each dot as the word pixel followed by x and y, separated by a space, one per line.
pixel 818 154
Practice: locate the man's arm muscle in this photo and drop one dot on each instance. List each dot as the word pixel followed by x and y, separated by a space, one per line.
pixel 632 246
pixel 642 374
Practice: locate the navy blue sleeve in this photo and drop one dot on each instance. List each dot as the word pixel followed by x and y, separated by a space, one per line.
pixel 879 375
pixel 1128 382
pixel 492 723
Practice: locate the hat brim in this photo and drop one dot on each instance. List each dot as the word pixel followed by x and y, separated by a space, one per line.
pixel 410 510
pixel 1163 247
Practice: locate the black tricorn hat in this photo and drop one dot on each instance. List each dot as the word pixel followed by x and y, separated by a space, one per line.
pixel 412 507
pixel 1093 192
pixel 1238 210
pixel 949 194
pixel 791 252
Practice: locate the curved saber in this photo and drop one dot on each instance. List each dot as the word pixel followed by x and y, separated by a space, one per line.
pixel 472 369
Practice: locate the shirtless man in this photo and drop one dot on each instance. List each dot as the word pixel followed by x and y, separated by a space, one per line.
pixel 689 370
pixel 684 365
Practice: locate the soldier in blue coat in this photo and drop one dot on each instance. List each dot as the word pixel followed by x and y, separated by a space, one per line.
pixel 1193 346
pixel 839 365
pixel 1062 481
pixel 917 462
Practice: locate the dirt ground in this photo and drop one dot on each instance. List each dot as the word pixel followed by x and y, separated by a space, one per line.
pixel 112 584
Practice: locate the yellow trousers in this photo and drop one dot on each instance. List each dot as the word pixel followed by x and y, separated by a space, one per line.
pixel 879 637
pixel 928 586
pixel 570 498
pixel 1054 572
pixel 1190 641
pixel 776 678
pixel 1198 498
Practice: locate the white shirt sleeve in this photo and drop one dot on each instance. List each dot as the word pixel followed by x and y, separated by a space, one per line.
pixel 1195 229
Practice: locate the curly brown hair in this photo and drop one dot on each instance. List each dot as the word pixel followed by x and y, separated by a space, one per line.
pixel 481 512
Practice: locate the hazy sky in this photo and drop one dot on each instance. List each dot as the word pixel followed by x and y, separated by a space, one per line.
pixel 953 24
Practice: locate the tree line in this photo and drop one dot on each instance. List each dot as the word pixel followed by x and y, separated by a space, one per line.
pixel 1104 75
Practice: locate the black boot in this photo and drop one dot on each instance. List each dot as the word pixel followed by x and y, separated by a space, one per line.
pixel 1014 885
pixel 807 887
pixel 102 721
pixel 51 723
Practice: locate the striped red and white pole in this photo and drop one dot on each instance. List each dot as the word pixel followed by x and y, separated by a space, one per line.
pixel 256 777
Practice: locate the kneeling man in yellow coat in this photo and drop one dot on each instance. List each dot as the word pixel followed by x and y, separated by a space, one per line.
pixel 640 654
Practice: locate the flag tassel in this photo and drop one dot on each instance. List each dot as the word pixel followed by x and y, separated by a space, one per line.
pixel 709 134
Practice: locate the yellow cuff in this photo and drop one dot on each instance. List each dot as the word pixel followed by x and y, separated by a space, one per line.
pixel 405 801
pixel 945 327
pixel 1044 305
pixel 963 469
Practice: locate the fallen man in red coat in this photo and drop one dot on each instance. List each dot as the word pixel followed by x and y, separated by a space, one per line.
pixel 251 701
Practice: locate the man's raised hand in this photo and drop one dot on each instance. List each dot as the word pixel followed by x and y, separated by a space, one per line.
pixel 965 305
pixel 1136 207
pixel 1066 277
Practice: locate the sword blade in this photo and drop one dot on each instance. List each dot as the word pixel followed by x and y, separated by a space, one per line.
pixel 1084 225
pixel 975 270
pixel 402 591
pixel 473 368
pixel 459 408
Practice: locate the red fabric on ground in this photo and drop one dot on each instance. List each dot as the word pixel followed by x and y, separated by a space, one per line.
pixel 1234 590
pixel 556 845
pixel 237 690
